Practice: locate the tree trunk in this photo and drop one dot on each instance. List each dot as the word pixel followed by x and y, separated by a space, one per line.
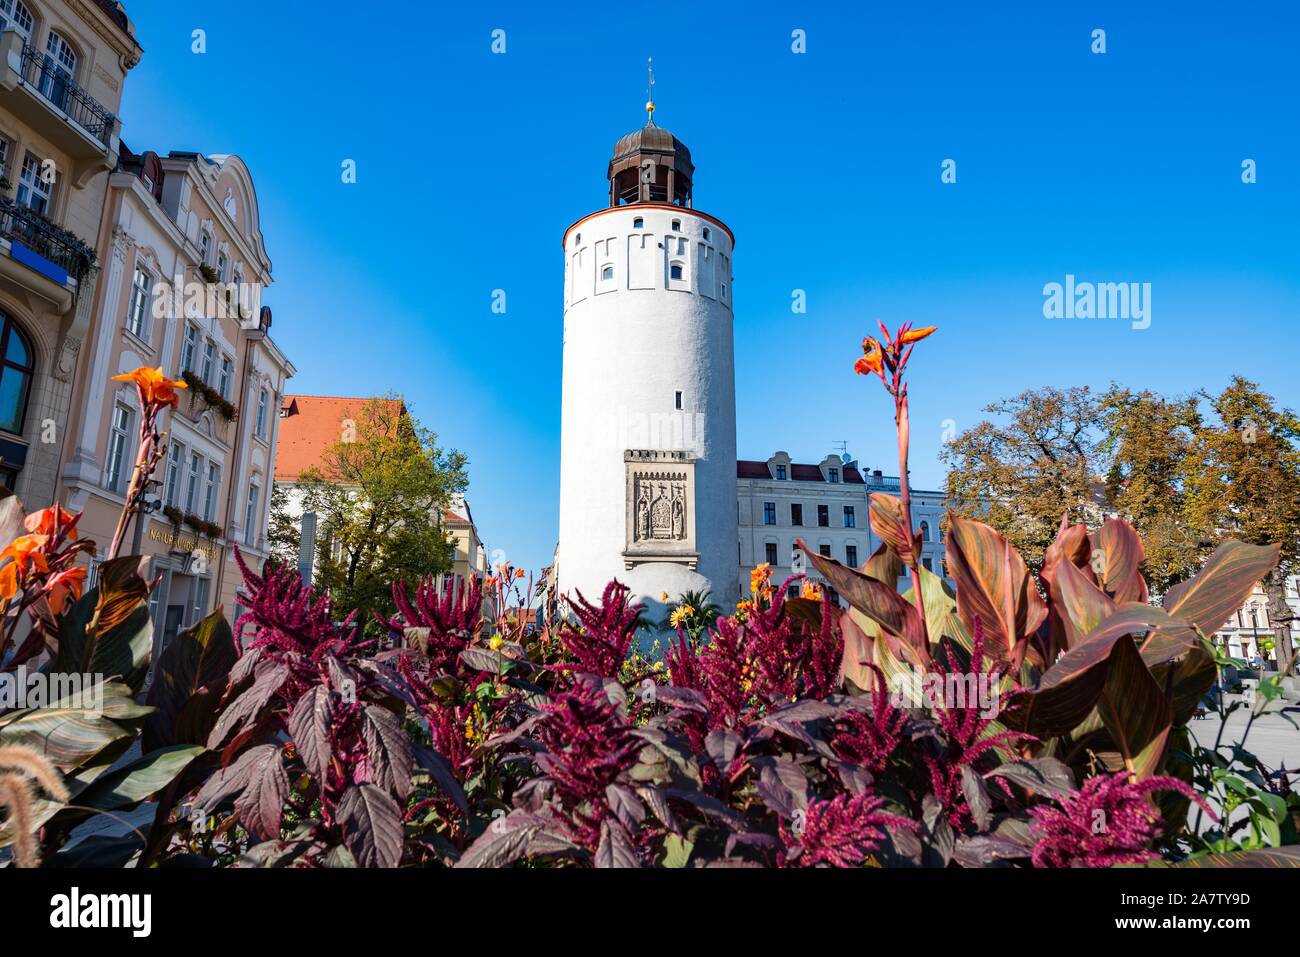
pixel 1280 617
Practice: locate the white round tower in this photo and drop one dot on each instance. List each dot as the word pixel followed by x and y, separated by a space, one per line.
pixel 648 421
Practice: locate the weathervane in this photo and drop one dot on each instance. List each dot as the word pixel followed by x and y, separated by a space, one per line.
pixel 650 92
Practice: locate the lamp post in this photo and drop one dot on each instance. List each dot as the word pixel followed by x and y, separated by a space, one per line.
pixel 147 505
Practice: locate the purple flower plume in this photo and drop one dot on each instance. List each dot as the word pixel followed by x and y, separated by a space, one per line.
pixel 841 832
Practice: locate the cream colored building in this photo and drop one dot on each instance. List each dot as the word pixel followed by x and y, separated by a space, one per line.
pixel 62 67
pixel 182 287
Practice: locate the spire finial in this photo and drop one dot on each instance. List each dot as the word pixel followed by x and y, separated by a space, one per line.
pixel 650 92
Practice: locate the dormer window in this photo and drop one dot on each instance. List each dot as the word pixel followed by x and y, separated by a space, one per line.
pixel 833 476
pixel 780 473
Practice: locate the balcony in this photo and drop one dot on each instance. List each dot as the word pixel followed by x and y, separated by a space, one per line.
pixel 38 92
pixel 42 255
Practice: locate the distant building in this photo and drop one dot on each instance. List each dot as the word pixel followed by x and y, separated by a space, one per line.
pixel 311 424
pixel 185 234
pixel 63 64
pixel 1240 634
pixel 826 505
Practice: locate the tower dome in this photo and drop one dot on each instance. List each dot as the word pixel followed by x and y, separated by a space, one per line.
pixel 650 165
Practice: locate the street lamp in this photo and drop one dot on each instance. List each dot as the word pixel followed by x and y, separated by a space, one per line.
pixel 147 505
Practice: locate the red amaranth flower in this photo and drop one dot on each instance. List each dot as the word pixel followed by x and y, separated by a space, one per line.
pixel 1110 821
pixel 964 733
pixel 453 618
pixel 841 832
pixel 868 738
pixel 589 744
pixel 291 619
pixel 600 642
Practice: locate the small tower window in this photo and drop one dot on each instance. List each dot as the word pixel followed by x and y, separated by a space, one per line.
pixel 638 223
pixel 675 270
pixel 577 239
pixel 607 272
pixel 707 234
pixel 679 400
pixel 677 225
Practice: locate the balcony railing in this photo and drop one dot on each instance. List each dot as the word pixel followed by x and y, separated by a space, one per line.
pixel 41 71
pixel 18 223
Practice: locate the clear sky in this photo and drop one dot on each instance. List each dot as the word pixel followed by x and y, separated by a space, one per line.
pixel 1122 166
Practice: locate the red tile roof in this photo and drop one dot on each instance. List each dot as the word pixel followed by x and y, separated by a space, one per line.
pixel 311 424
pixel 747 468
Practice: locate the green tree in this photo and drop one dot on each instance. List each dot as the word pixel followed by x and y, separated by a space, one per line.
pixel 1036 460
pixel 378 497
pixel 1244 482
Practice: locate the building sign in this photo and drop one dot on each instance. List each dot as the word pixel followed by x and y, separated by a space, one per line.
pixel 179 541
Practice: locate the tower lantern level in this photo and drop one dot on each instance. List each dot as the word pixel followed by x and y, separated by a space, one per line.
pixel 648 418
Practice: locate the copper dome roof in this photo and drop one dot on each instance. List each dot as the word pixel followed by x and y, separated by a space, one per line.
pixel 653 139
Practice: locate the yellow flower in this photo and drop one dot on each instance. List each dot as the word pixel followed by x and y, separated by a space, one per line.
pixel 664 596
pixel 495 642
pixel 759 576
pixel 680 614
pixel 155 388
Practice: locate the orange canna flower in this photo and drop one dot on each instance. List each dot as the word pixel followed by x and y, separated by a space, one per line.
pixel 872 358
pixel 916 335
pixel 25 550
pixel 759 576
pixel 519 573
pixel 65 584
pixel 155 388
pixel 808 590
pixel 48 521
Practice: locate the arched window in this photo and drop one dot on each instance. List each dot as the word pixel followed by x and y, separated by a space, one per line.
pixel 707 235
pixel 925 531
pixel 607 272
pixel 677 225
pixel 60 70
pixel 15 16
pixel 638 223
pixel 675 271
pixel 15 376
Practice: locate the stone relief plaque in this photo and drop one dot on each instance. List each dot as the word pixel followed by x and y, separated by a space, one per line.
pixel 660 507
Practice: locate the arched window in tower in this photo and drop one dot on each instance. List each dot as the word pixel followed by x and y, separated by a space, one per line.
pixel 16 370
pixel 925 531
pixel 707 235
pixel 677 225
pixel 577 240
pixel 675 271
pixel 638 223
pixel 607 272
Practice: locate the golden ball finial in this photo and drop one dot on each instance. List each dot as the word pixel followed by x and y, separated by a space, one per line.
pixel 649 106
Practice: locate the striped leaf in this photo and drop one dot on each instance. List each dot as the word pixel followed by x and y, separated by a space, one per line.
pixel 1119 553
pixel 1220 587
pixel 1134 710
pixel 993 584
pixel 889 522
pixel 879 602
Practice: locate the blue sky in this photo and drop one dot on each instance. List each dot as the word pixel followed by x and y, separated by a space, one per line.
pixel 1124 166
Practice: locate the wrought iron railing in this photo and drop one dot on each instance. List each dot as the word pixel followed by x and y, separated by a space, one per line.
pixel 53 82
pixel 18 223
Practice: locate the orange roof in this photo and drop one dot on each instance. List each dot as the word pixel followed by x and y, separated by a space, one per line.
pixel 311 424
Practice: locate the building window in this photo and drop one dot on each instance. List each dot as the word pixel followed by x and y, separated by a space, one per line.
pixel 796 513
pixel 780 473
pixel 707 235
pixel 928 562
pixel 677 225
pixel 638 223
pixel 771 556
pixel 823 516
pixel 188 345
pixel 60 70
pixel 678 400
pixel 192 482
pixel 724 290
pixel 577 239
pixel 201 586
pixel 850 517
pixel 118 438
pixel 15 16
pixel 209 356
pixel 223 381
pixel 851 556
pixel 250 516
pixel 833 476
pixel 825 550
pixel 263 402
pixel 223 264
pixel 607 273
pixel 675 270
pixel 205 247
pixel 210 493
pixel 172 481
pixel 925 531
pixel 137 313
pixel 33 191
pixel 15 376
pixel 769 513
